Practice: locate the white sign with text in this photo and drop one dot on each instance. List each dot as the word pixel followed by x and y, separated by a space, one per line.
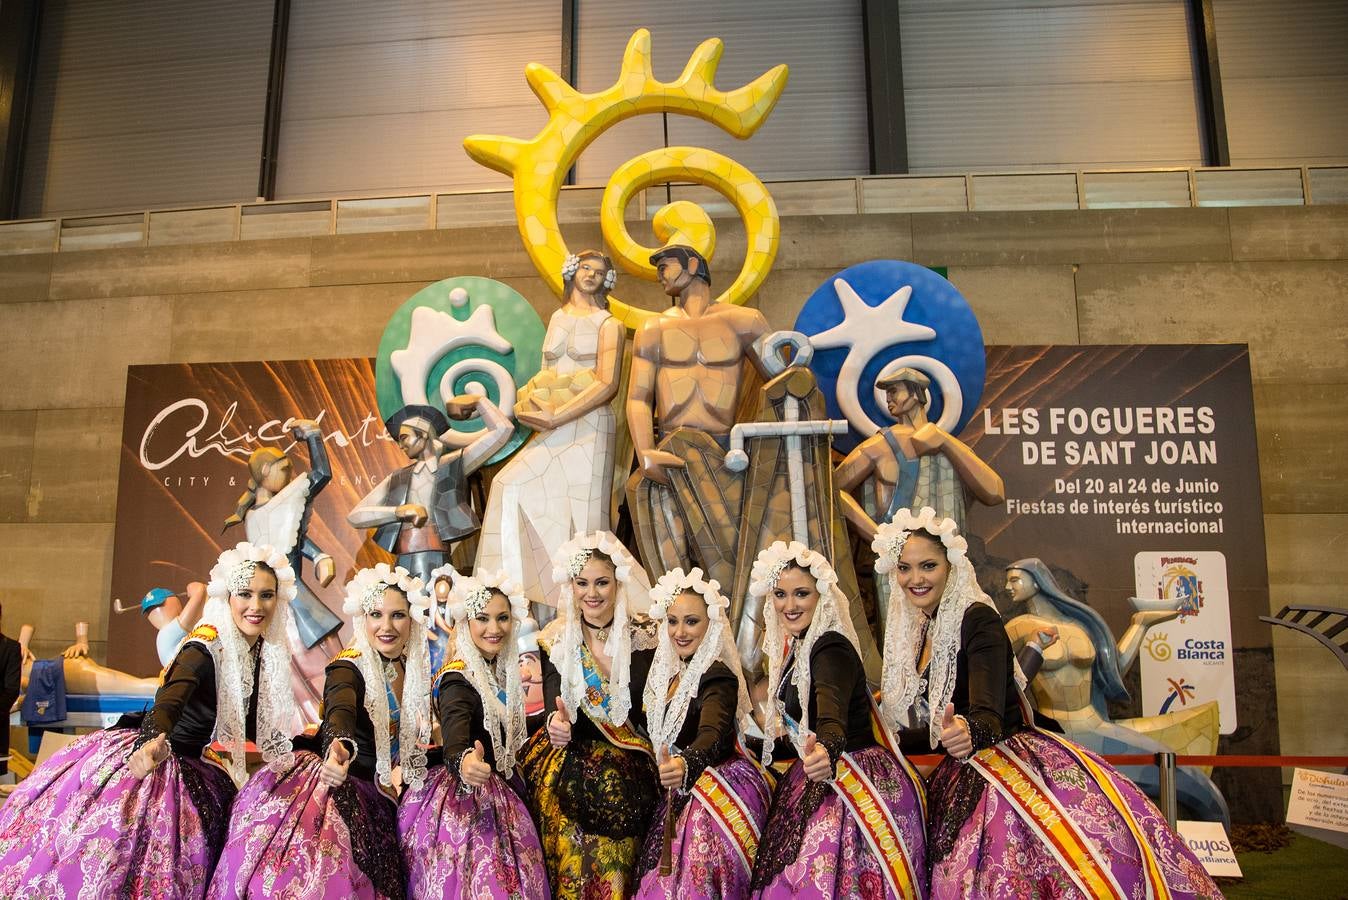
pixel 1188 660
pixel 1318 805
pixel 1210 844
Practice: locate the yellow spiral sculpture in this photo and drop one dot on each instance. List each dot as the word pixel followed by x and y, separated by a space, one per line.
pixel 539 166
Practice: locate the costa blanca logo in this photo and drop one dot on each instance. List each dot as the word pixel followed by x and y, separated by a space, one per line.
pixel 1181 691
pixel 1157 647
pixel 1179 581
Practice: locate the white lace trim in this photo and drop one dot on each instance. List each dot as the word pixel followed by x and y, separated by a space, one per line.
pixel 565 654
pixel 234 670
pixel 900 682
pixel 665 714
pixel 831 614
pixel 414 718
pixel 505 722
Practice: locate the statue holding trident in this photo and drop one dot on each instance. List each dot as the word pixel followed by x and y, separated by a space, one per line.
pixel 693 502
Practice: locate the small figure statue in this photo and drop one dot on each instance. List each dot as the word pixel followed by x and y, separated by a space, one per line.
pixel 913 463
pixel 1084 670
pixel 171 617
pixel 275 511
pixel 422 509
pixel 561 482
pixel 82 674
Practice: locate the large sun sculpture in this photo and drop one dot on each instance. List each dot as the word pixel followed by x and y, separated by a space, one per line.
pixel 539 165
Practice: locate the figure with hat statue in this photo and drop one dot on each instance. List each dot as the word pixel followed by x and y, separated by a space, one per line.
pixel 913 463
pixel 419 511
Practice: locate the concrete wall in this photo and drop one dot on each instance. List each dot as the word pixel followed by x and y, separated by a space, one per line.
pixel 1275 277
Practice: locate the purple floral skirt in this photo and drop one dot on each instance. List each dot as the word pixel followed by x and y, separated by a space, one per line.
pixel 81 825
pixel 812 846
pixel 980 847
pixel 705 861
pixel 290 836
pixel 479 843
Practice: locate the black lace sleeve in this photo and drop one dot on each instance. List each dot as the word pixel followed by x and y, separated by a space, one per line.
pixel 834 669
pixel 193 664
pixel 718 696
pixel 459 707
pixel 987 650
pixel 342 699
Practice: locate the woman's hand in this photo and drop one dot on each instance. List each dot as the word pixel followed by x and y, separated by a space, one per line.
pixel 672 770
pixel 955 736
pixel 473 768
pixel 818 765
pixel 149 757
pixel 333 773
pixel 559 726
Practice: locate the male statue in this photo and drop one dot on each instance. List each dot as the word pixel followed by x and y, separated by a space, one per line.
pixel 913 463
pixel 421 509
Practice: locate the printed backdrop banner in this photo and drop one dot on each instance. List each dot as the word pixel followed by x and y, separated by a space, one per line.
pixel 1133 472
pixel 186 437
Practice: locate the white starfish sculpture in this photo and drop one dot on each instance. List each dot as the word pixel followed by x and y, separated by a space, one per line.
pixel 866 330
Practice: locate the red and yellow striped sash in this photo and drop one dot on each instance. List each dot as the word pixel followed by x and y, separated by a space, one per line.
pixel 1049 821
pixel 730 813
pixel 885 738
pixel 624 736
pixel 1151 867
pixel 877 826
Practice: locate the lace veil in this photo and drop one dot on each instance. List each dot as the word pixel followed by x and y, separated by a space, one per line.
pixel 505 722
pixel 831 614
pixel 234 664
pixel 414 722
pixel 665 713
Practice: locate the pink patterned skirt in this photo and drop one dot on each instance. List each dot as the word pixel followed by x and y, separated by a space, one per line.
pixel 290 836
pixel 813 847
pixel 479 843
pixel 979 845
pixel 706 860
pixel 81 825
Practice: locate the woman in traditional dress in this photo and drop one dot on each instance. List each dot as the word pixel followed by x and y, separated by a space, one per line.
pixel 328 825
pixel 466 832
pixel 275 509
pixel 561 482
pixel 1013 811
pixel 846 820
pixel 140 809
pixel 706 829
pixel 591 775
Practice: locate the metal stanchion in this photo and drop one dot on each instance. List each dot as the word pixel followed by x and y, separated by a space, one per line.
pixel 1165 761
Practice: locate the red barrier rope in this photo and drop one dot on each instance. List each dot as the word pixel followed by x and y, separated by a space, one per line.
pixel 1149 759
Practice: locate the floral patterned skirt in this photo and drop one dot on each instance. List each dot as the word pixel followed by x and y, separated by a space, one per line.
pixel 980 847
pixel 290 836
pixel 81 825
pixel 813 847
pixel 478 843
pixel 593 803
pixel 705 861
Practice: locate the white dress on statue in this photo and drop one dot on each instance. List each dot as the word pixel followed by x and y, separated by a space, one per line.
pixel 561 482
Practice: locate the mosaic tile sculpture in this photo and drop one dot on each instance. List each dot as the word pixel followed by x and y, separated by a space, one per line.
pixel 561 482
pixel 1084 670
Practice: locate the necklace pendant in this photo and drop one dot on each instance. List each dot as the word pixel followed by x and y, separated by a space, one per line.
pixel 602 635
